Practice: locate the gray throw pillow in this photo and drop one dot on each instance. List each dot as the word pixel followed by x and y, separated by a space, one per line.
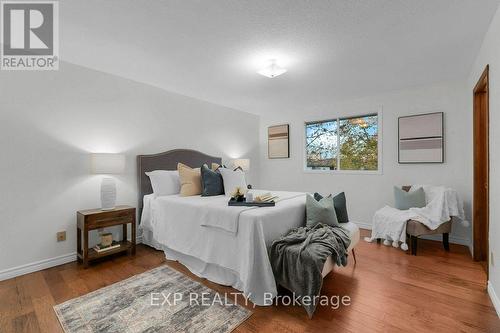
pixel 405 200
pixel 321 211
pixel 339 202
pixel 211 182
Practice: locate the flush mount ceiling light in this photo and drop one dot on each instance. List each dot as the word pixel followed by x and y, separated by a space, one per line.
pixel 272 70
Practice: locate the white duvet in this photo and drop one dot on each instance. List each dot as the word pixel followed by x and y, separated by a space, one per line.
pixel 240 259
pixel 217 214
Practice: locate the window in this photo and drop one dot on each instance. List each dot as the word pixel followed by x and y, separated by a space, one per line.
pixel 343 144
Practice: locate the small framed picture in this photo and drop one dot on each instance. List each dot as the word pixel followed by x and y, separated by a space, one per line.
pixel 421 138
pixel 278 141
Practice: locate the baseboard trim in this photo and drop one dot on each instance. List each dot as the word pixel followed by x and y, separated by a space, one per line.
pixel 494 298
pixel 10 273
pixel 452 239
pixel 363 225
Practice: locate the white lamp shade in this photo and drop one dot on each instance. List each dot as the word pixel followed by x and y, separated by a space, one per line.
pixel 107 163
pixel 243 163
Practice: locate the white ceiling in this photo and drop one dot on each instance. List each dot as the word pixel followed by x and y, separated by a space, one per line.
pixel 333 49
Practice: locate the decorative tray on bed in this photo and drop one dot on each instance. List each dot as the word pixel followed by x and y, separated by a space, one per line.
pixel 234 202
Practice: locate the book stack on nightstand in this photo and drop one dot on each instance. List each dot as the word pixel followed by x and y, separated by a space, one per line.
pixel 93 219
pixel 99 248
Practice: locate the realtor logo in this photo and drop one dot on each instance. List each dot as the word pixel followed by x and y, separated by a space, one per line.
pixel 29 35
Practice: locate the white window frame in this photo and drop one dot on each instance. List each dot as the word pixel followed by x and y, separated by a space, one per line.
pixel 379 171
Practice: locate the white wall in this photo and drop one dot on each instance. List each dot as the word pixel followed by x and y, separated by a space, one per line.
pixel 490 54
pixel 51 121
pixel 367 193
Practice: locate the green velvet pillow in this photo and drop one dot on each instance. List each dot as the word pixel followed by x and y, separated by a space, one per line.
pixel 405 200
pixel 321 211
pixel 339 202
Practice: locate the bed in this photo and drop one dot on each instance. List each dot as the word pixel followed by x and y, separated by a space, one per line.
pixel 239 259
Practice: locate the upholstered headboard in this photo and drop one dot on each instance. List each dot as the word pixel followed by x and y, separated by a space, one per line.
pixel 167 161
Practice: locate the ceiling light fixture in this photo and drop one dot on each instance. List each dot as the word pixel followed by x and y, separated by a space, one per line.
pixel 272 70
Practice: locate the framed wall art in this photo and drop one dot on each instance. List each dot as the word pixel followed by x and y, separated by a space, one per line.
pixel 421 138
pixel 278 141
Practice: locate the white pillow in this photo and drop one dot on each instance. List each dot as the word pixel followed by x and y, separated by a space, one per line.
pixel 164 182
pixel 232 180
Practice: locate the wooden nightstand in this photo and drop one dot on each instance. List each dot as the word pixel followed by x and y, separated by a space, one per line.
pixel 94 219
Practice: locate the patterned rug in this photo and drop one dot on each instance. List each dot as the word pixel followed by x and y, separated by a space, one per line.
pixel 160 300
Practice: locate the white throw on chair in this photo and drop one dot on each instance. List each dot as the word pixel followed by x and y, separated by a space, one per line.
pixel 442 203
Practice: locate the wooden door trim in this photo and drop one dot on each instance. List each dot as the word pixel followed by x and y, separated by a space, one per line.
pixel 482 83
pixel 481 173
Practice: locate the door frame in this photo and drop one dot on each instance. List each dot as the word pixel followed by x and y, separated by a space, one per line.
pixel 481 163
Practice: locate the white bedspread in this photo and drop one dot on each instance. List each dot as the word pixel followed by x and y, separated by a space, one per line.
pixel 238 259
pixel 442 203
pixel 218 214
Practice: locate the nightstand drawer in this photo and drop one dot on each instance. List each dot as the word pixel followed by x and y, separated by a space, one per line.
pixel 106 215
pixel 108 222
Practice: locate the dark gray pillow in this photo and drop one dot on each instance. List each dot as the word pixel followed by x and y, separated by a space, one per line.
pixel 321 211
pixel 405 200
pixel 339 202
pixel 211 182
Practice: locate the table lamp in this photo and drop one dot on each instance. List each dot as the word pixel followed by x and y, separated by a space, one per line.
pixel 108 164
pixel 242 163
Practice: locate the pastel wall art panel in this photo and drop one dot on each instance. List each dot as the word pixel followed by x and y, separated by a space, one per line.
pixel 278 144
pixel 421 138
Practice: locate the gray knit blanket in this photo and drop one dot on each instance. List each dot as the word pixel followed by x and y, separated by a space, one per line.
pixel 298 259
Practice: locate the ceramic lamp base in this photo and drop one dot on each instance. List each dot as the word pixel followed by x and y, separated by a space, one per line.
pixel 108 194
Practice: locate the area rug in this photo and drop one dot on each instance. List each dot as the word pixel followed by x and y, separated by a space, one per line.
pixel 160 300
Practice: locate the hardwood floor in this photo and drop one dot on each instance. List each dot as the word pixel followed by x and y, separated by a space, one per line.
pixel 390 291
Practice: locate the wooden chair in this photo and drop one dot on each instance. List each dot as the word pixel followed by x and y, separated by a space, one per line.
pixel 415 229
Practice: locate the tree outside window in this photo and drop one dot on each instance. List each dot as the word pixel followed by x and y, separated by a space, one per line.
pixel 343 144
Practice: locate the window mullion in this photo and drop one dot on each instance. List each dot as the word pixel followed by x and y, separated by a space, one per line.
pixel 338 143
